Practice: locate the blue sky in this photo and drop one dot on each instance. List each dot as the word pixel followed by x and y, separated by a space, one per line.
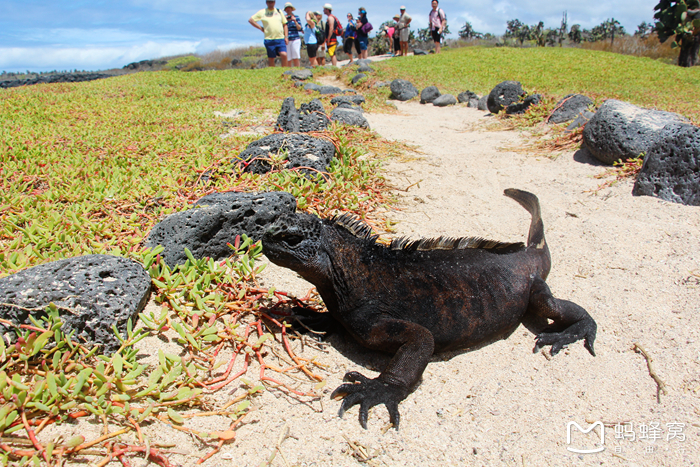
pixel 42 35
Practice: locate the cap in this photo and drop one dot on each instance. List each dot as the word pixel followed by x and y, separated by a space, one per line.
pixel 402 7
pixel 328 6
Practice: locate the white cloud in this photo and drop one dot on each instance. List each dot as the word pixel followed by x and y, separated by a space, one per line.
pixel 19 59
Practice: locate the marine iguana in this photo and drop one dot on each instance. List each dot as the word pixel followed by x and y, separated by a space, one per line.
pixel 415 297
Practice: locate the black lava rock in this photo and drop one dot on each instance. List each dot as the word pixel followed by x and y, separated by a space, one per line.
pixel 444 100
pixel 313 117
pixel 483 103
pixel 429 94
pixel 289 118
pixel 419 52
pixel 402 90
pixel 298 149
pixel 569 108
pixel 349 117
pixel 301 75
pixel 216 220
pixel 357 99
pixel 581 120
pixel 620 130
pixel 330 90
pixel 671 168
pixel 311 87
pixel 521 107
pixel 357 78
pixel 504 94
pixel 92 292
pixel 471 98
pixel 365 69
pixel 53 78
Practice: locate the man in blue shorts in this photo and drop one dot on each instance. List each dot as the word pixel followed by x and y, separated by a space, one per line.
pixel 274 26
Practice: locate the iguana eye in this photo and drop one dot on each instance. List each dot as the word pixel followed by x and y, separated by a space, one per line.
pixel 289 239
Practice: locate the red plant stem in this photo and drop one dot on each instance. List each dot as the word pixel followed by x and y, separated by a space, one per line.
pixel 32 437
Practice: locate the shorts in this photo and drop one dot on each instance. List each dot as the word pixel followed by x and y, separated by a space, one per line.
pixel 363 42
pixel 403 34
pixel 311 49
pixel 436 35
pixel 331 48
pixel 275 47
pixel 347 45
pixel 294 49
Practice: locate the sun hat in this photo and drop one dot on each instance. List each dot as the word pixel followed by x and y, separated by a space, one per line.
pixel 328 6
pixel 289 4
pixel 396 17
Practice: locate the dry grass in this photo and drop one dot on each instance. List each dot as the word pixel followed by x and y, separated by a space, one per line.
pixel 649 47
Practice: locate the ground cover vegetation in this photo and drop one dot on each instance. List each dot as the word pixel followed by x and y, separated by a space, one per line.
pixel 91 167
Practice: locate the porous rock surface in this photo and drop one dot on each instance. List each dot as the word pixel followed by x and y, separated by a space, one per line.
pixel 327 89
pixel 356 99
pixel 299 150
pixel 521 107
pixel 569 108
pixel 309 117
pixel 216 220
pixel 620 130
pixel 444 100
pixel 429 94
pixel 504 94
pixel 402 90
pixel 471 98
pixel 365 69
pixel 301 75
pixel 357 78
pixel 671 169
pixel 92 293
pixel 349 117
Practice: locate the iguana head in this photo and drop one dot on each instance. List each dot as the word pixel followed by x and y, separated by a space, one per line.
pixel 294 241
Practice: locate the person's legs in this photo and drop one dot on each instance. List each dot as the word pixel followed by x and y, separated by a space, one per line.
pixel 331 51
pixel 283 57
pixel 436 40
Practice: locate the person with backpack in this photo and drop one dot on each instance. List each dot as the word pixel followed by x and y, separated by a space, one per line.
pixel 321 38
pixel 310 37
pixel 294 29
pixel 350 36
pixel 275 29
pixel 437 22
pixel 333 31
pixel 363 29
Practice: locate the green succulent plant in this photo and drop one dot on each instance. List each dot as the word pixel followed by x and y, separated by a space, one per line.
pixel 680 18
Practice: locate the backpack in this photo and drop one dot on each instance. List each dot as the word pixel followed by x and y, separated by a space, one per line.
pixel 338 28
pixel 320 34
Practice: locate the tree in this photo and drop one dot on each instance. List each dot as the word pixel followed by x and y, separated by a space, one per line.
pixel 538 34
pixel 575 34
pixel 564 26
pixel 468 32
pixel 680 18
pixel 518 30
pixel 644 29
pixel 606 30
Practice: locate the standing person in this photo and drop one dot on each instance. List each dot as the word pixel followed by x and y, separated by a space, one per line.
pixel 363 29
pixel 293 28
pixel 395 37
pixel 350 36
pixel 404 22
pixel 310 37
pixel 437 22
pixel 321 38
pixel 390 30
pixel 275 29
pixel 332 27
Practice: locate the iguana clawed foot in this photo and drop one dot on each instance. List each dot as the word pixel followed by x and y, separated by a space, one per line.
pixel 368 393
pixel 584 329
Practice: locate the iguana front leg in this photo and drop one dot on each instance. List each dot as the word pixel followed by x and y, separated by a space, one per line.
pixel 412 346
pixel 571 322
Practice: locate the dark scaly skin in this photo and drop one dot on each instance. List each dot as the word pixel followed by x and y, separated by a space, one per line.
pixel 412 301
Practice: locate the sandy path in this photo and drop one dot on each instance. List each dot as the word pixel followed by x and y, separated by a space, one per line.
pixel 629 261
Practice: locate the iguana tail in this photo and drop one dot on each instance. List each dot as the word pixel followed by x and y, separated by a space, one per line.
pixel 532 204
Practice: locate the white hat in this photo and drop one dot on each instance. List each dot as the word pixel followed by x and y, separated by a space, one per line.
pixel 289 4
pixel 402 7
pixel 328 6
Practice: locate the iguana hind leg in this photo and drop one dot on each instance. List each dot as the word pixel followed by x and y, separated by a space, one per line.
pixel 571 322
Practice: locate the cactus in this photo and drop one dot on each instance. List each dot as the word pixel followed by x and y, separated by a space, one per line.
pixel 680 18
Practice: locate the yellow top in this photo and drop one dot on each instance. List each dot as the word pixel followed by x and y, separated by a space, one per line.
pixel 273 23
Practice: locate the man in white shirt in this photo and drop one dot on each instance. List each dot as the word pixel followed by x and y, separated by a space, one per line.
pixel 436 22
